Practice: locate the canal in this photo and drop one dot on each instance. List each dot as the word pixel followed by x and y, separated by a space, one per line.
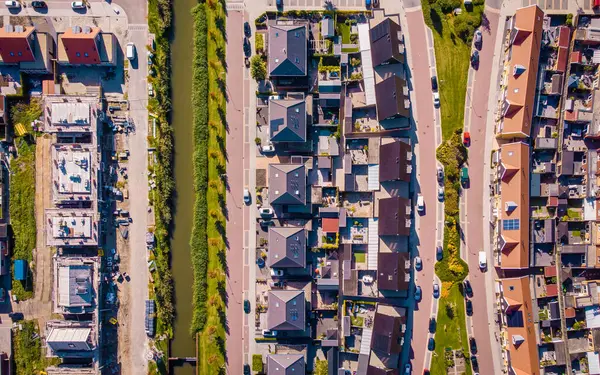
pixel 182 345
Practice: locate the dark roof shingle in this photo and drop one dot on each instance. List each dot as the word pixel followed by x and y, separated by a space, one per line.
pixel 385 43
pixel 287 120
pixel 287 50
pixel 287 184
pixel 287 247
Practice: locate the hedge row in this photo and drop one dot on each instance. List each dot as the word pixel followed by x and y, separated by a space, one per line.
pixel 199 240
pixel 159 22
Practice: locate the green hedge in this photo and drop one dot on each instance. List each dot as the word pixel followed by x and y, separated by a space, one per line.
pixel 159 22
pixel 199 241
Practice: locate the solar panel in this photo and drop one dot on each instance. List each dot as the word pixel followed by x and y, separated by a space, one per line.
pixel 510 224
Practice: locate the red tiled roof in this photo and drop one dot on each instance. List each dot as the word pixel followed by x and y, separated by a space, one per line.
pixel 15 46
pixel 571 115
pixel 552 201
pixel 82 47
pixel 561 63
pixel 569 312
pixel 549 271
pixel 551 290
pixel 564 36
pixel 48 87
pixel 330 224
pixel 575 57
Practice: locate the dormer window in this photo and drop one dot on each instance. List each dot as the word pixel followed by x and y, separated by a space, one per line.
pixel 518 70
pixel 510 206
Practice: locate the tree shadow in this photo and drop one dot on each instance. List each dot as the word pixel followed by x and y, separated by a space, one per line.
pixel 221 56
pixel 220 24
pixel 221 289
pixel 436 21
pixel 222 255
pixel 226 182
pixel 222 231
pixel 223 319
pixel 223 118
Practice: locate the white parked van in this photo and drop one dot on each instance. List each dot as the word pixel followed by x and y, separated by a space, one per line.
pixel 420 203
pixel 482 260
pixel 130 51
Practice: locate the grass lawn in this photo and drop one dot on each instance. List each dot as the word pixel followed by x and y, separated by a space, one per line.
pixel 452 61
pixel 211 343
pixel 27 347
pixel 450 332
pixel 357 321
pixel 344 29
pixel 22 211
pixel 360 257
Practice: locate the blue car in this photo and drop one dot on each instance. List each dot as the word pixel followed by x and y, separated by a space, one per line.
pixel 418 293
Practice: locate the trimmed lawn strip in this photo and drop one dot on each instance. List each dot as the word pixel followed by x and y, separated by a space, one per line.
pixel 22 212
pixel 450 332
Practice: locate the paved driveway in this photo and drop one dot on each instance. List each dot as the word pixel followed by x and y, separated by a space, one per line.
pixel 477 94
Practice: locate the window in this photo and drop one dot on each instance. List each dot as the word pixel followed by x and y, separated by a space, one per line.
pixel 20 53
pixel 12 53
pixel 86 54
pixel 510 224
pixel 78 54
pixel 511 288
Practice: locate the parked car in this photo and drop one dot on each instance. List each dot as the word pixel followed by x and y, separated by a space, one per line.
pixel 439 253
pixel 277 273
pixel 468 289
pixel 247 29
pixel 247 306
pixel 266 211
pixel 246 196
pixel 130 51
pixel 431 344
pixel 440 175
pixel 276 284
pixel 77 5
pixel 420 203
pixel 407 369
pixel 436 290
pixel 247 370
pixel 432 325
pixel 469 307
pixel 39 4
pixel 474 363
pixel 434 85
pixel 418 293
pixel 150 89
pixel 475 59
pixel 247 47
pixel 418 263
pixel 482 260
pixel 473 345
pixel 464 176
pixel 268 148
pixel 436 99
pixel 440 195
pixel 12 4
pixel 466 139
pixel 478 39
pixel 269 333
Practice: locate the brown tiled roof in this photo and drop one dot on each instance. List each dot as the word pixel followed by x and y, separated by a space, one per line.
pixel 549 271
pixel 385 43
pixel 394 216
pixel 287 247
pixel 391 99
pixel 15 44
pixel 551 290
pixel 287 310
pixel 286 364
pixel 521 341
pixel 81 45
pixel 515 205
pixel 394 163
pixel 387 333
pixel 570 312
pixel 287 50
pixel 330 224
pixel 522 73
pixel 392 272
pixel 564 36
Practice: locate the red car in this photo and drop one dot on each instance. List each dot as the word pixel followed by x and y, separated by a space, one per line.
pixel 466 139
pixel 596 3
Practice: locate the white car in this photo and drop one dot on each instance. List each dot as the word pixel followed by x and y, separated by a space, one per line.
pixel 268 148
pixel 12 4
pixel 420 203
pixel 150 89
pixel 275 272
pixel 130 51
pixel 77 4
pixel 246 196
pixel 269 333
pixel 266 211
pixel 482 260
pixel 436 99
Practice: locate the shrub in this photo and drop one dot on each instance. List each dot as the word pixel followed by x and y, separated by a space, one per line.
pixel 258 68
pixel 569 20
pixel 259 43
pixel 257 362
pixel 447 6
pixel 321 367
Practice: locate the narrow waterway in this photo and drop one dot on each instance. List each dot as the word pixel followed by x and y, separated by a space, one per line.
pixel 183 344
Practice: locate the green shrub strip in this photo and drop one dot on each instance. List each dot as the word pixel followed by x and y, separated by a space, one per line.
pixel 199 241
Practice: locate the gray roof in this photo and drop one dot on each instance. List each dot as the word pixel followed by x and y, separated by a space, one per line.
pixel 287 50
pixel 327 27
pixel 386 46
pixel 286 364
pixel 75 286
pixel 287 120
pixel 287 247
pixel 287 310
pixel 392 99
pixel 287 184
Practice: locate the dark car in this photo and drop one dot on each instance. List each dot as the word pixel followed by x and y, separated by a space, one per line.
pixel 439 253
pixel 247 369
pixel 434 85
pixel 469 307
pixel 39 4
pixel 16 316
pixel 247 48
pixel 247 30
pixel 475 59
pixel 478 39
pixel 247 306
pixel 432 325
pixel 473 345
pixel 468 289
pixel 474 363
pixel 431 344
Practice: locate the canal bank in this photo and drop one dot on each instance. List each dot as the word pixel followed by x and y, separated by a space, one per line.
pixel 182 345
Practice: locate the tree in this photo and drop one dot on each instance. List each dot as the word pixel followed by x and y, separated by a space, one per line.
pixel 321 367
pixel 258 68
